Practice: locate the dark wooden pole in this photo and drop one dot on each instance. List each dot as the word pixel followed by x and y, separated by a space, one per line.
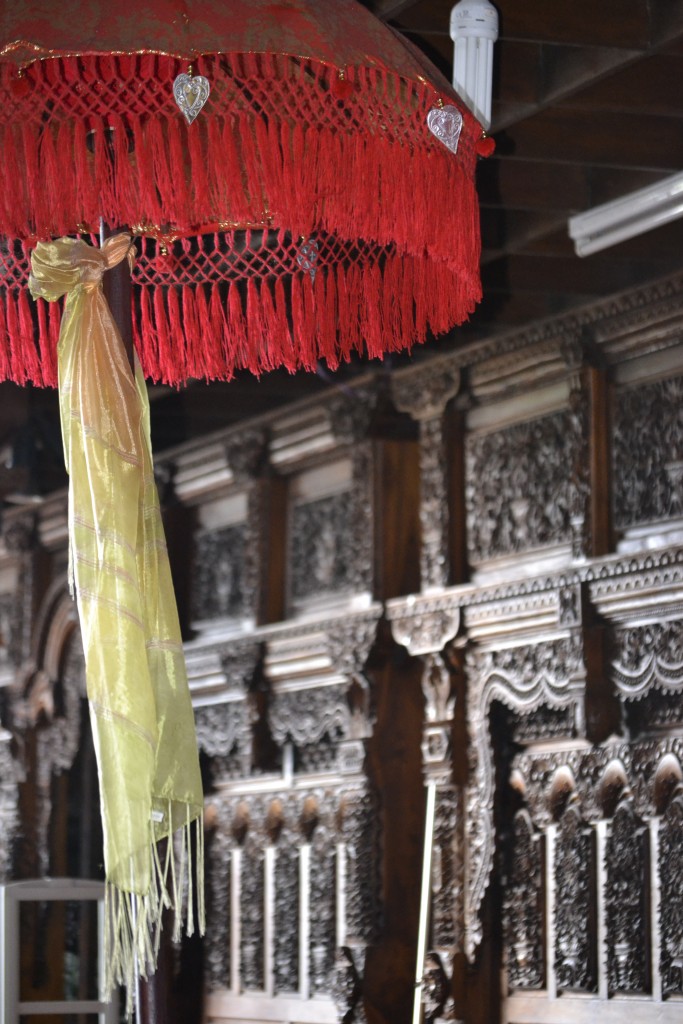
pixel 117 290
pixel 154 994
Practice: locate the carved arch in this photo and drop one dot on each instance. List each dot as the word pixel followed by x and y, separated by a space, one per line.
pixel 523 679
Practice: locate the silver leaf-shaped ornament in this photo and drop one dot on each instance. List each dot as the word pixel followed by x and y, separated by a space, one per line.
pixel 307 257
pixel 446 124
pixel 191 93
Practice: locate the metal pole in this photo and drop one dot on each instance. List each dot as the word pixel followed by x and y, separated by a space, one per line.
pixel 425 896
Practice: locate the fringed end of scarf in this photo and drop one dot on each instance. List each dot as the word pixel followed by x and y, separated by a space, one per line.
pixel 133 922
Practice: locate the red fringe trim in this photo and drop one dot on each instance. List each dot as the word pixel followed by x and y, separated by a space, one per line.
pixel 275 146
pixel 185 331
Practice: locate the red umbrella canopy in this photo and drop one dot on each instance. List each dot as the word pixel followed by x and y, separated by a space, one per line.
pixel 321 201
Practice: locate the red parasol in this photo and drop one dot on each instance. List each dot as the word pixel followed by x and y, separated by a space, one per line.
pixel 321 202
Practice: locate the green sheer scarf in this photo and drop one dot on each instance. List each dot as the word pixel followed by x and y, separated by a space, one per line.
pixel 140 709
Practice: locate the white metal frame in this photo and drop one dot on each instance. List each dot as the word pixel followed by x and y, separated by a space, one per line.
pixel 54 890
pixel 627 216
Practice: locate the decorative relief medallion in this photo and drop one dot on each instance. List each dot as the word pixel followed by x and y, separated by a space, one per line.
pixel 218 577
pixel 519 494
pixel 423 625
pixel 647 462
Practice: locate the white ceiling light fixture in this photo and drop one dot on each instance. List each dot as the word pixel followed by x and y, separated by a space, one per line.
pixel 628 216
pixel 474 30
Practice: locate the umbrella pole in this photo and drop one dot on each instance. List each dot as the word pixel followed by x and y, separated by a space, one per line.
pixel 117 290
pixel 152 1002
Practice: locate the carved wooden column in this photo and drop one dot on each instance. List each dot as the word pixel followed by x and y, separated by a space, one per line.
pixel 424 393
pixel 425 626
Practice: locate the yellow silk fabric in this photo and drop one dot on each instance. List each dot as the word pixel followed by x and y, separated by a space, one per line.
pixel 140 705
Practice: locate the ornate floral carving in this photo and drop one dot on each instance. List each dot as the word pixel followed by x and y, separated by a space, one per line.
pixel 8 804
pixel 20 535
pixel 245 452
pixel 427 389
pixel 435 986
pixel 447 880
pixel 575 954
pixel 350 415
pixel 224 728
pixel 523 906
pixel 543 724
pixel 360 833
pixel 536 506
pixel 218 911
pixel 522 678
pixel 286 916
pixel 346 985
pixel 306 716
pixel 648 453
pixel 671 903
pixel 252 911
pixel 10 630
pixel 223 732
pixel 349 641
pixel 434 567
pixel 640 760
pixel 323 903
pixel 626 905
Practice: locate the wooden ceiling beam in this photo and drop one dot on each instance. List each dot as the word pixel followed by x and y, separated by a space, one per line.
pixel 603 140
pixel 510 183
pixel 387 9
pixel 599 274
pixel 613 23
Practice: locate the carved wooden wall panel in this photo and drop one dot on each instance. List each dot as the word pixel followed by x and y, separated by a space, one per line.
pixel 535 507
pixel 543 546
pixel 648 453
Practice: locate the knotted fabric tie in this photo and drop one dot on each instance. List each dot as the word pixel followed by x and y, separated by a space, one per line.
pixel 140 707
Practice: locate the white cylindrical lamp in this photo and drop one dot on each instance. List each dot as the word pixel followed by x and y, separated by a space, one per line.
pixel 474 30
